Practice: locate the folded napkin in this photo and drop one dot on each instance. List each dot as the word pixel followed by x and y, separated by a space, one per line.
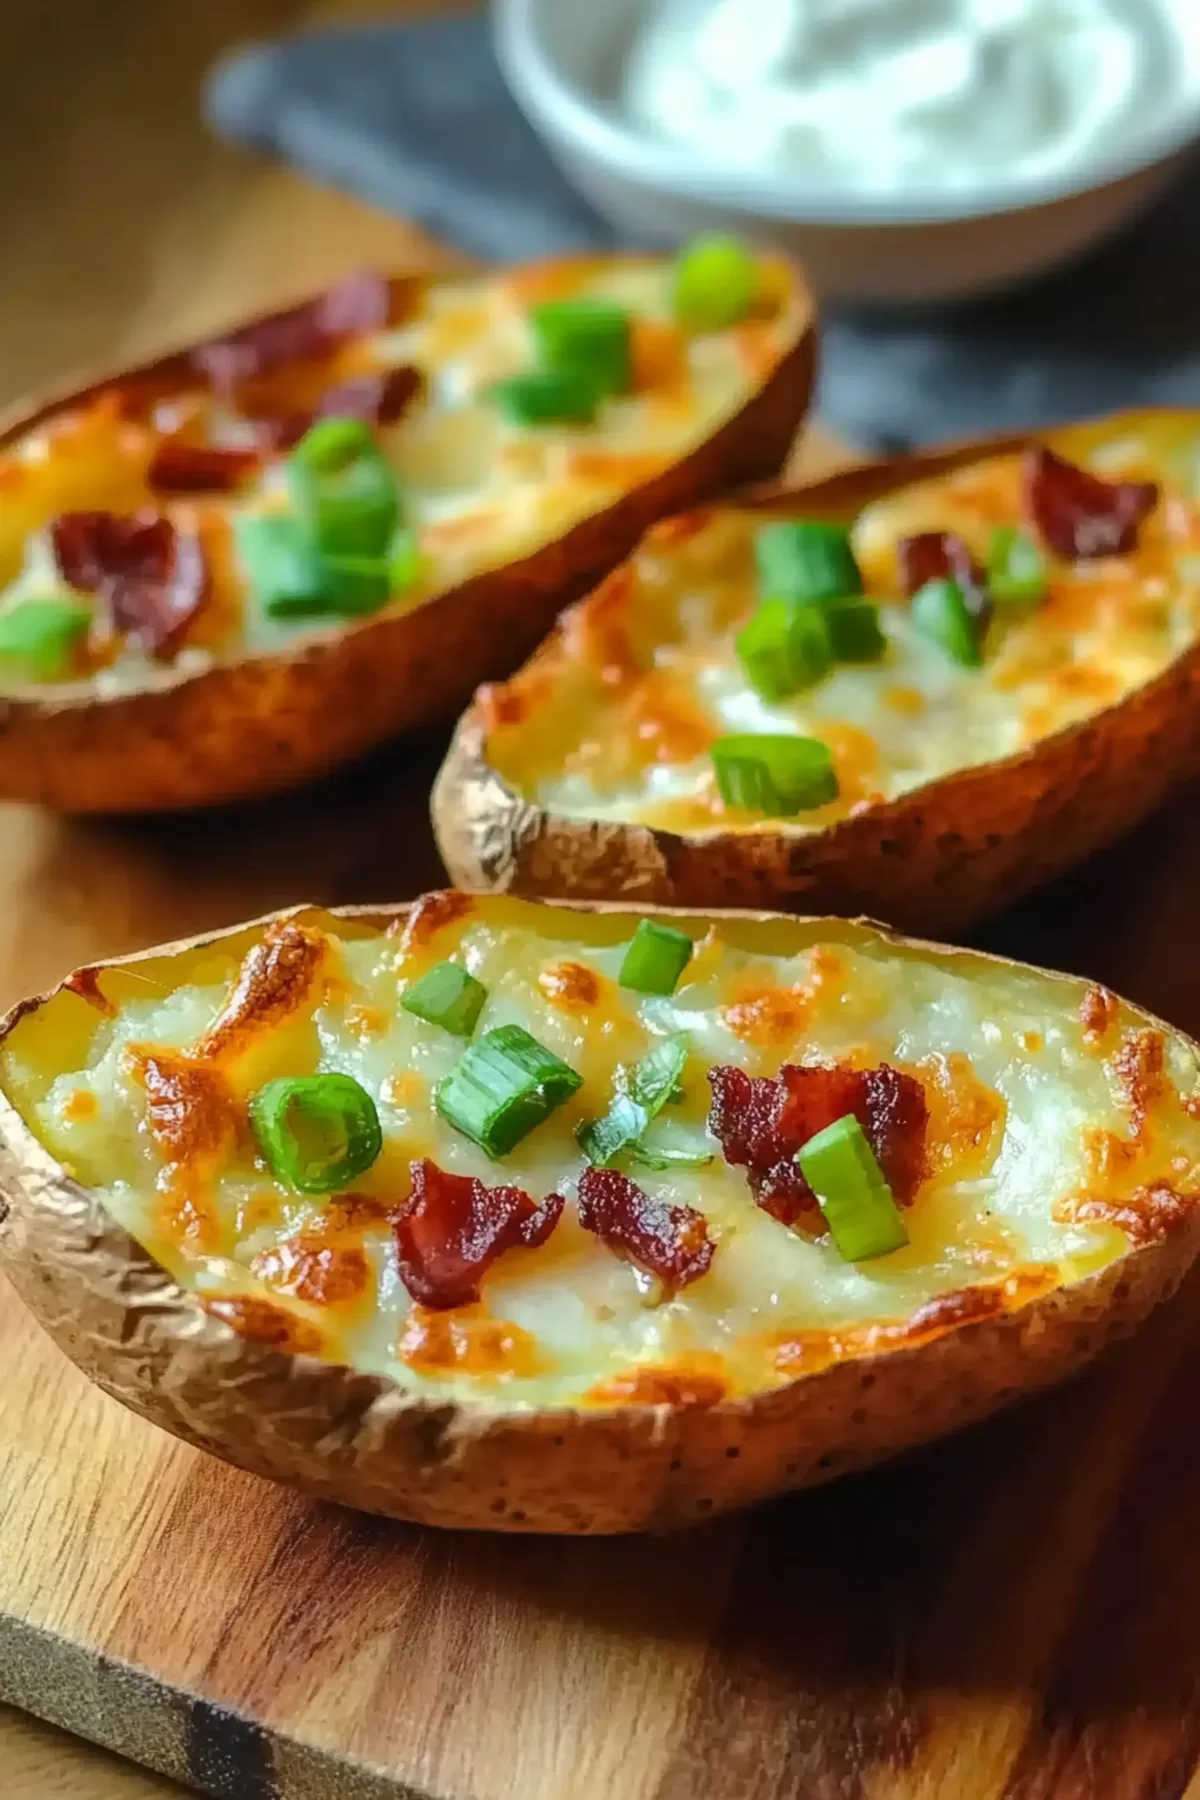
pixel 416 117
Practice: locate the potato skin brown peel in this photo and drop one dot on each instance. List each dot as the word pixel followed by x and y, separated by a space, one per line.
pixel 360 1440
pixel 936 859
pixel 269 722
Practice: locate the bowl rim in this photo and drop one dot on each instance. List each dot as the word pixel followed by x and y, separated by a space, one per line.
pixel 579 123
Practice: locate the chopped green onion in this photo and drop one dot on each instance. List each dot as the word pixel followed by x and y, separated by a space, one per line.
pixel 1016 569
pixel 317 1132
pixel 806 560
pixel 448 996
pixel 652 1083
pixel 343 490
pixel 406 564
pixel 783 649
pixel 854 632
pixel 716 283
pixel 546 397
pixel 654 1156
pixel 38 636
pixel 505 1084
pixel 778 776
pixel 839 1166
pixel 940 613
pixel 589 338
pixel 291 580
pixel 656 958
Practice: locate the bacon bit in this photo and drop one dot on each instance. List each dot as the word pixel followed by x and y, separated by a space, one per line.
pixel 191 1112
pixel 439 1342
pixel 379 397
pixel 571 986
pixel 1148 1215
pixel 761 1121
pixel 431 914
pixel 274 981
pixel 86 983
pixel 80 1105
pixel 1140 1069
pixel 660 1387
pixel 966 1116
pixel 358 304
pixel 452 1228
pixel 152 577
pixel 670 1242
pixel 353 1213
pixel 1080 516
pixel 265 1323
pixel 939 556
pixel 312 1270
pixel 178 467
pixel 1097 1013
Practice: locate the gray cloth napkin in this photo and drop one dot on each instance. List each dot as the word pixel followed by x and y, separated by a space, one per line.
pixel 416 117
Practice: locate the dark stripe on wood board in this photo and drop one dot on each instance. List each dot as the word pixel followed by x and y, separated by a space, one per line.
pixel 228 1756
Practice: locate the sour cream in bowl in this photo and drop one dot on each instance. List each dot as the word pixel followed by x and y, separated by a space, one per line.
pixel 909 149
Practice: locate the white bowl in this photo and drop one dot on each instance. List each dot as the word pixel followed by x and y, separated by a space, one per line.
pixel 561 59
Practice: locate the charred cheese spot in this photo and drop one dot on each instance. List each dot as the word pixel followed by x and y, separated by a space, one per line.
pixel 325 1274
pixel 570 986
pixel 1139 1067
pixel 966 1117
pixel 275 982
pixel 191 1111
pixel 1097 1013
pixel 264 1323
pixel 681 1386
pixel 82 1104
pixel 772 1018
pixel 432 914
pixel 1149 1214
pixel 366 1021
pixel 467 1341
pixel 86 983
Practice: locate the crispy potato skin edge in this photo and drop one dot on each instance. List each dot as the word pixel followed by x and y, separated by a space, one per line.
pixel 359 1440
pixel 935 860
pixel 268 723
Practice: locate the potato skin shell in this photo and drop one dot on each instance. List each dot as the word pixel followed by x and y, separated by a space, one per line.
pixel 359 1440
pixel 935 860
pixel 255 727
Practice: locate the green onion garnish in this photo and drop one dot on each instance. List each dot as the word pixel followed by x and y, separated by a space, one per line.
pixel 291 580
pixel 806 560
pixel 654 1156
pixel 546 397
pixel 588 338
pixel 840 1167
pixel 406 565
pixel 39 636
pixel 317 1132
pixel 940 613
pixel 656 958
pixel 784 649
pixel 653 1082
pixel 448 996
pixel 343 490
pixel 1016 569
pixel 778 776
pixel 716 283
pixel 854 632
pixel 504 1086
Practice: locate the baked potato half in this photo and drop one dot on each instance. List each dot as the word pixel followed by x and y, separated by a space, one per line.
pixel 226 572
pixel 488 1213
pixel 915 689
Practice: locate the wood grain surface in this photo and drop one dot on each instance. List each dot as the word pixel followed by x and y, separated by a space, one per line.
pixel 1014 1615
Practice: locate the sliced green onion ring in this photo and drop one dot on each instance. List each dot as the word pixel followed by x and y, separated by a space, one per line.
pixel 784 649
pixel 1017 574
pixel 806 560
pixel 546 397
pixel 317 1132
pixel 941 614
pixel 343 490
pixel 590 338
pixel 504 1086
pixel 778 776
pixel 656 958
pixel 717 281
pixel 449 996
pixel 853 630
pixel 40 634
pixel 840 1167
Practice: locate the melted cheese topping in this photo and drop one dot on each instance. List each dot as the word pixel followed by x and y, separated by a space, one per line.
pixel 478 490
pixel 1061 1131
pixel 615 717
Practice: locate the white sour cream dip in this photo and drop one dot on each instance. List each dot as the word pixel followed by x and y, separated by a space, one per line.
pixel 882 95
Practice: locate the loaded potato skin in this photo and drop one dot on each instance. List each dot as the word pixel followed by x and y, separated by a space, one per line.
pixel 582 1250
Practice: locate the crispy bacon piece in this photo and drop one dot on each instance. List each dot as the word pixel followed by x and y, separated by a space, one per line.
pixel 178 467
pixel 671 1242
pixel 357 304
pixel 377 398
pixel 452 1228
pixel 1080 516
pixel 940 556
pixel 151 576
pixel 760 1121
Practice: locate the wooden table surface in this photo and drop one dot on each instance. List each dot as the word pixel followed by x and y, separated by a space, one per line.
pixel 126 227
